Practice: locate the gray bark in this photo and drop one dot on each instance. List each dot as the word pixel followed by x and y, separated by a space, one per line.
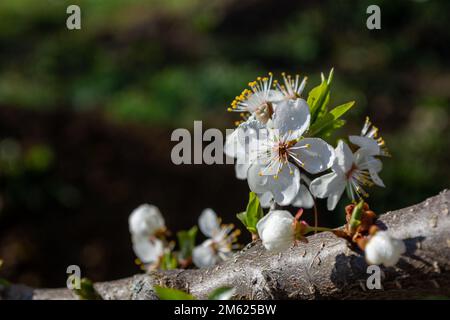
pixel 327 267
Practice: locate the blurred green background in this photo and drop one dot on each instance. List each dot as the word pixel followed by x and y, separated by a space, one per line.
pixel 86 115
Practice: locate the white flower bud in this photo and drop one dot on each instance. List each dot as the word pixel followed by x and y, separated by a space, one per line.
pixel 145 221
pixel 276 230
pixel 383 249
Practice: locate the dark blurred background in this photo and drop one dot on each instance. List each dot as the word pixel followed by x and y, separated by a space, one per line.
pixel 86 116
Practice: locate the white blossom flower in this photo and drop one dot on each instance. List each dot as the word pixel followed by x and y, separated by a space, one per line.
pixel 277 154
pixel 383 249
pixel 277 230
pixel 257 101
pixel 146 221
pixel 148 250
pixel 370 140
pixel 351 171
pixel 220 243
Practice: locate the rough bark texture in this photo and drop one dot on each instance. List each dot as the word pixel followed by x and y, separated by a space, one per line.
pixel 324 268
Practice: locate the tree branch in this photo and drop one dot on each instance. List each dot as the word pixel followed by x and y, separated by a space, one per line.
pixel 325 267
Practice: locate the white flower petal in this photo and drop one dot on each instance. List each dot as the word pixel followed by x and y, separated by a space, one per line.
pixel 334 197
pixel 370 145
pixel 233 147
pixel 376 178
pixel 148 251
pixel 256 181
pixel 145 220
pixel 204 256
pixel 291 117
pixel 344 157
pixel 241 170
pixel 371 164
pixel 304 198
pixel 265 199
pixel 323 186
pixel 209 223
pixel 243 139
pixel 275 96
pixel 285 186
pixel 316 155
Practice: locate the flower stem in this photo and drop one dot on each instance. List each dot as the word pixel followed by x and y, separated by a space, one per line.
pixel 316 220
pixel 317 229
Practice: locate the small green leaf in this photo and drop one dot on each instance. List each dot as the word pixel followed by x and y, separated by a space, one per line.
pixel 222 293
pixel 186 241
pixel 339 111
pixel 319 97
pixel 243 218
pixel 252 214
pixel 168 261
pixel 4 283
pixel 357 212
pixel 329 121
pixel 87 290
pixel 172 294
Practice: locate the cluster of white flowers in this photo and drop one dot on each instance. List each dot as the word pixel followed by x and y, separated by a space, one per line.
pixel 147 225
pixel 273 154
pixel 281 161
pixel 271 151
pixel 220 243
pixel 352 171
pixel 148 229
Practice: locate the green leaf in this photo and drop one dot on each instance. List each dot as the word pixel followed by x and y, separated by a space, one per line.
pixel 222 293
pixel 339 111
pixel 357 212
pixel 252 214
pixel 329 121
pixel 330 128
pixel 4 283
pixel 186 241
pixel 168 261
pixel 172 294
pixel 319 97
pixel 87 290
